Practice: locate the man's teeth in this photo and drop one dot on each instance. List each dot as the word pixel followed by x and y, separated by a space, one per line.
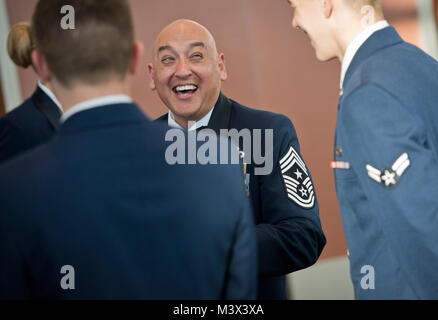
pixel 186 88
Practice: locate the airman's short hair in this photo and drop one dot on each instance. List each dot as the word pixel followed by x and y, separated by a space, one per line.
pixel 100 46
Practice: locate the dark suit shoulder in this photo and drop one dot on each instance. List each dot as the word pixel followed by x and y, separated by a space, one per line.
pixel 284 133
pixel 28 119
pixel 23 128
pixel 257 119
pixel 394 68
pixel 163 118
pixel 21 115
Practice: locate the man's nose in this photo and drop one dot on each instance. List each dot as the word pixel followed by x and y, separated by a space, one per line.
pixel 183 69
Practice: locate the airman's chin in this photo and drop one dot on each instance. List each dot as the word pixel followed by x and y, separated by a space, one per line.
pixel 324 56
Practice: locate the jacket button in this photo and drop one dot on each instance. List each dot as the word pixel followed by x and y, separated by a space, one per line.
pixel 338 151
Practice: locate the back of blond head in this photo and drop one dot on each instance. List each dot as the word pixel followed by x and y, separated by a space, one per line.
pixel 21 43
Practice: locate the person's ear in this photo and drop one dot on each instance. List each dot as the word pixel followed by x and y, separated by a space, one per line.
pixel 40 65
pixel 222 68
pixel 151 76
pixel 327 8
pixel 137 56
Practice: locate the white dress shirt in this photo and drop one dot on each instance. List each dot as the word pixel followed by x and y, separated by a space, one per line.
pixel 94 103
pixel 355 45
pixel 203 122
pixel 50 94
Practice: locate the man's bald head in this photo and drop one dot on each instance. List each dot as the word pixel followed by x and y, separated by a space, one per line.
pixel 187 70
pixel 180 29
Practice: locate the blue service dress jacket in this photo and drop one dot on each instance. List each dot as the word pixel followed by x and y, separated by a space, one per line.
pixel 286 211
pixel 28 125
pixel 98 213
pixel 386 159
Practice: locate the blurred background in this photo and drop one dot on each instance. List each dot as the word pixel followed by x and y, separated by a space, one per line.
pixel 270 66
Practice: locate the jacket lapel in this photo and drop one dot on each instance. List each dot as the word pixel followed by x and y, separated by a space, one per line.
pixel 47 107
pixel 220 118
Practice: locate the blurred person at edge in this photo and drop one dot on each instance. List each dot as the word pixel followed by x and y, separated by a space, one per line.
pixel 386 146
pixel 36 119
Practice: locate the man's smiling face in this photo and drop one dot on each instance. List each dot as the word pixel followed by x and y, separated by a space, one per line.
pixel 187 70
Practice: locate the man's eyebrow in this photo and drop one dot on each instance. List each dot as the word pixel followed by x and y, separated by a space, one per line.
pixel 197 44
pixel 192 45
pixel 162 48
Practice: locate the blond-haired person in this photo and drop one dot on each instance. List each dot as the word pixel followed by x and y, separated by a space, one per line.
pixel 37 118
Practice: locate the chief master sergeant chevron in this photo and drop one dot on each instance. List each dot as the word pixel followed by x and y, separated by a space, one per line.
pixel 187 72
pixel 386 151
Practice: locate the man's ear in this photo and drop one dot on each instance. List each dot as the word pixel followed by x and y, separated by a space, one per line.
pixel 151 76
pixel 222 68
pixel 40 65
pixel 137 56
pixel 327 8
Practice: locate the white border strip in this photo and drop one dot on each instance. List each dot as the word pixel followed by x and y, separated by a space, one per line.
pixel 9 76
pixel 428 27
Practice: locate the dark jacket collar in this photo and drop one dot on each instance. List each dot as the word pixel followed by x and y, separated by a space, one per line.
pixel 220 117
pixel 378 41
pixel 47 107
pixel 164 118
pixel 108 115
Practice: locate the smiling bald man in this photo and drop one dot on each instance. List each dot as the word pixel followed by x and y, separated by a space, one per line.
pixel 187 72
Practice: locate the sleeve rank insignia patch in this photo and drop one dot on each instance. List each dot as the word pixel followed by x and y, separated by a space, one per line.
pixel 296 179
pixel 389 177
